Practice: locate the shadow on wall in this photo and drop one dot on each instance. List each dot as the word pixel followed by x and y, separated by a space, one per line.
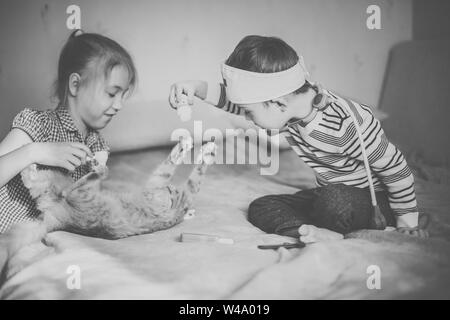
pixel 174 40
pixel 416 97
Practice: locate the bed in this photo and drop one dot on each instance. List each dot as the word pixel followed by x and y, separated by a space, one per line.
pixel 159 266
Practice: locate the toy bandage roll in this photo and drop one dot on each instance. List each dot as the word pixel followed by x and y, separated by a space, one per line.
pixel 244 87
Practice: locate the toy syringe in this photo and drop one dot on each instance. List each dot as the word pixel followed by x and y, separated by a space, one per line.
pixel 184 110
pixel 199 237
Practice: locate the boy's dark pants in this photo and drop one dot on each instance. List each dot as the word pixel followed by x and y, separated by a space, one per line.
pixel 336 207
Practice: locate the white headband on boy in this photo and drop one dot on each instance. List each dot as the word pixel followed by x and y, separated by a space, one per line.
pixel 245 87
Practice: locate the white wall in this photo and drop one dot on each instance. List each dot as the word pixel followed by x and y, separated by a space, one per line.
pixel 178 39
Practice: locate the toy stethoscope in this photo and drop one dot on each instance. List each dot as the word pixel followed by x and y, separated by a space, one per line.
pixel 320 102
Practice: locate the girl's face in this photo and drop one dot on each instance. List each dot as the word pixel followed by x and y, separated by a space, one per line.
pixel 99 100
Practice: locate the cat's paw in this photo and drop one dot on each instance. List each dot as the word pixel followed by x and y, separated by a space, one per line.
pixel 181 149
pixel 208 153
pixel 102 171
pixel 29 175
pixel 190 214
pixel 187 143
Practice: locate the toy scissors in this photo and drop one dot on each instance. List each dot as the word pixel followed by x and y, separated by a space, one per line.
pixel 287 245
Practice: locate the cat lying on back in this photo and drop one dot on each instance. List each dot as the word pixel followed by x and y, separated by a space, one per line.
pixel 84 207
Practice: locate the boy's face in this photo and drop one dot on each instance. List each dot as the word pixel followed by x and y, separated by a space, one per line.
pixel 276 113
pixel 267 115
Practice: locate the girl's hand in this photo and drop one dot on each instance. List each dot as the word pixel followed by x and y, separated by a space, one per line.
pixel 189 88
pixel 68 155
pixel 416 232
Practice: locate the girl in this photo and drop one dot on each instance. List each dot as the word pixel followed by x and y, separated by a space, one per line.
pixel 95 74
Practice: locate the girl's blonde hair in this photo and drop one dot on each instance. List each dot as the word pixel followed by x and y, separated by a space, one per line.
pixel 84 53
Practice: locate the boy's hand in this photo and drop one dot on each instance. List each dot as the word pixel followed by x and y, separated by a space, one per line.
pixel 68 155
pixel 416 232
pixel 190 88
pixel 419 231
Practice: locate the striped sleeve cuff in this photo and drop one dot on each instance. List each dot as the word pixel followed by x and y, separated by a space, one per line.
pixel 408 220
pixel 215 94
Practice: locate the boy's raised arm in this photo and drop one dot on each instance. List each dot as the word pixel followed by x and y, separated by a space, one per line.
pixel 216 96
pixel 211 92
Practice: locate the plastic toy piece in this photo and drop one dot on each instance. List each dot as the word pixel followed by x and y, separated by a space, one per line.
pixel 98 163
pixel 184 110
pixel 198 237
pixel 100 157
pixel 286 245
pixel 190 214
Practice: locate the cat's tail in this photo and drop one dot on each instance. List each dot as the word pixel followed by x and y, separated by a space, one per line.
pixel 23 234
pixel 17 237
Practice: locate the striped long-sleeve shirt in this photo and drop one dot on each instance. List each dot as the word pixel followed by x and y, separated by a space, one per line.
pixel 329 144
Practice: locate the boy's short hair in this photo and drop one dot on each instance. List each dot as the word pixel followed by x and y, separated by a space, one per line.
pixel 265 55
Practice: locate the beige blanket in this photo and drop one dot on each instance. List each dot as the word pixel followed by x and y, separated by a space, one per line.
pixel 158 266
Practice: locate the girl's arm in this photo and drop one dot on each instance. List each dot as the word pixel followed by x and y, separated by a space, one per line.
pixel 17 151
pixel 15 155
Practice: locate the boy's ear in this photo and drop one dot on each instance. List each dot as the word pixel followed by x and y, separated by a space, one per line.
pixel 74 83
pixel 280 102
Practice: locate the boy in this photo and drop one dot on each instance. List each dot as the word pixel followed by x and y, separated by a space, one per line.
pixel 265 80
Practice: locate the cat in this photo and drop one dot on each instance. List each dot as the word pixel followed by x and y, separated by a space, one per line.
pixel 86 208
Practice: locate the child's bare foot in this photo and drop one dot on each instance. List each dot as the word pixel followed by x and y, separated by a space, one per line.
pixel 309 234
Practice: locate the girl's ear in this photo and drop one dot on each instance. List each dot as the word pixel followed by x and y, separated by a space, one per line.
pixel 74 84
pixel 280 103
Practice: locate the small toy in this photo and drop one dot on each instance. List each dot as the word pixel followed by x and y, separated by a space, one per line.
pixel 98 162
pixel 286 245
pixel 198 237
pixel 190 214
pixel 184 110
